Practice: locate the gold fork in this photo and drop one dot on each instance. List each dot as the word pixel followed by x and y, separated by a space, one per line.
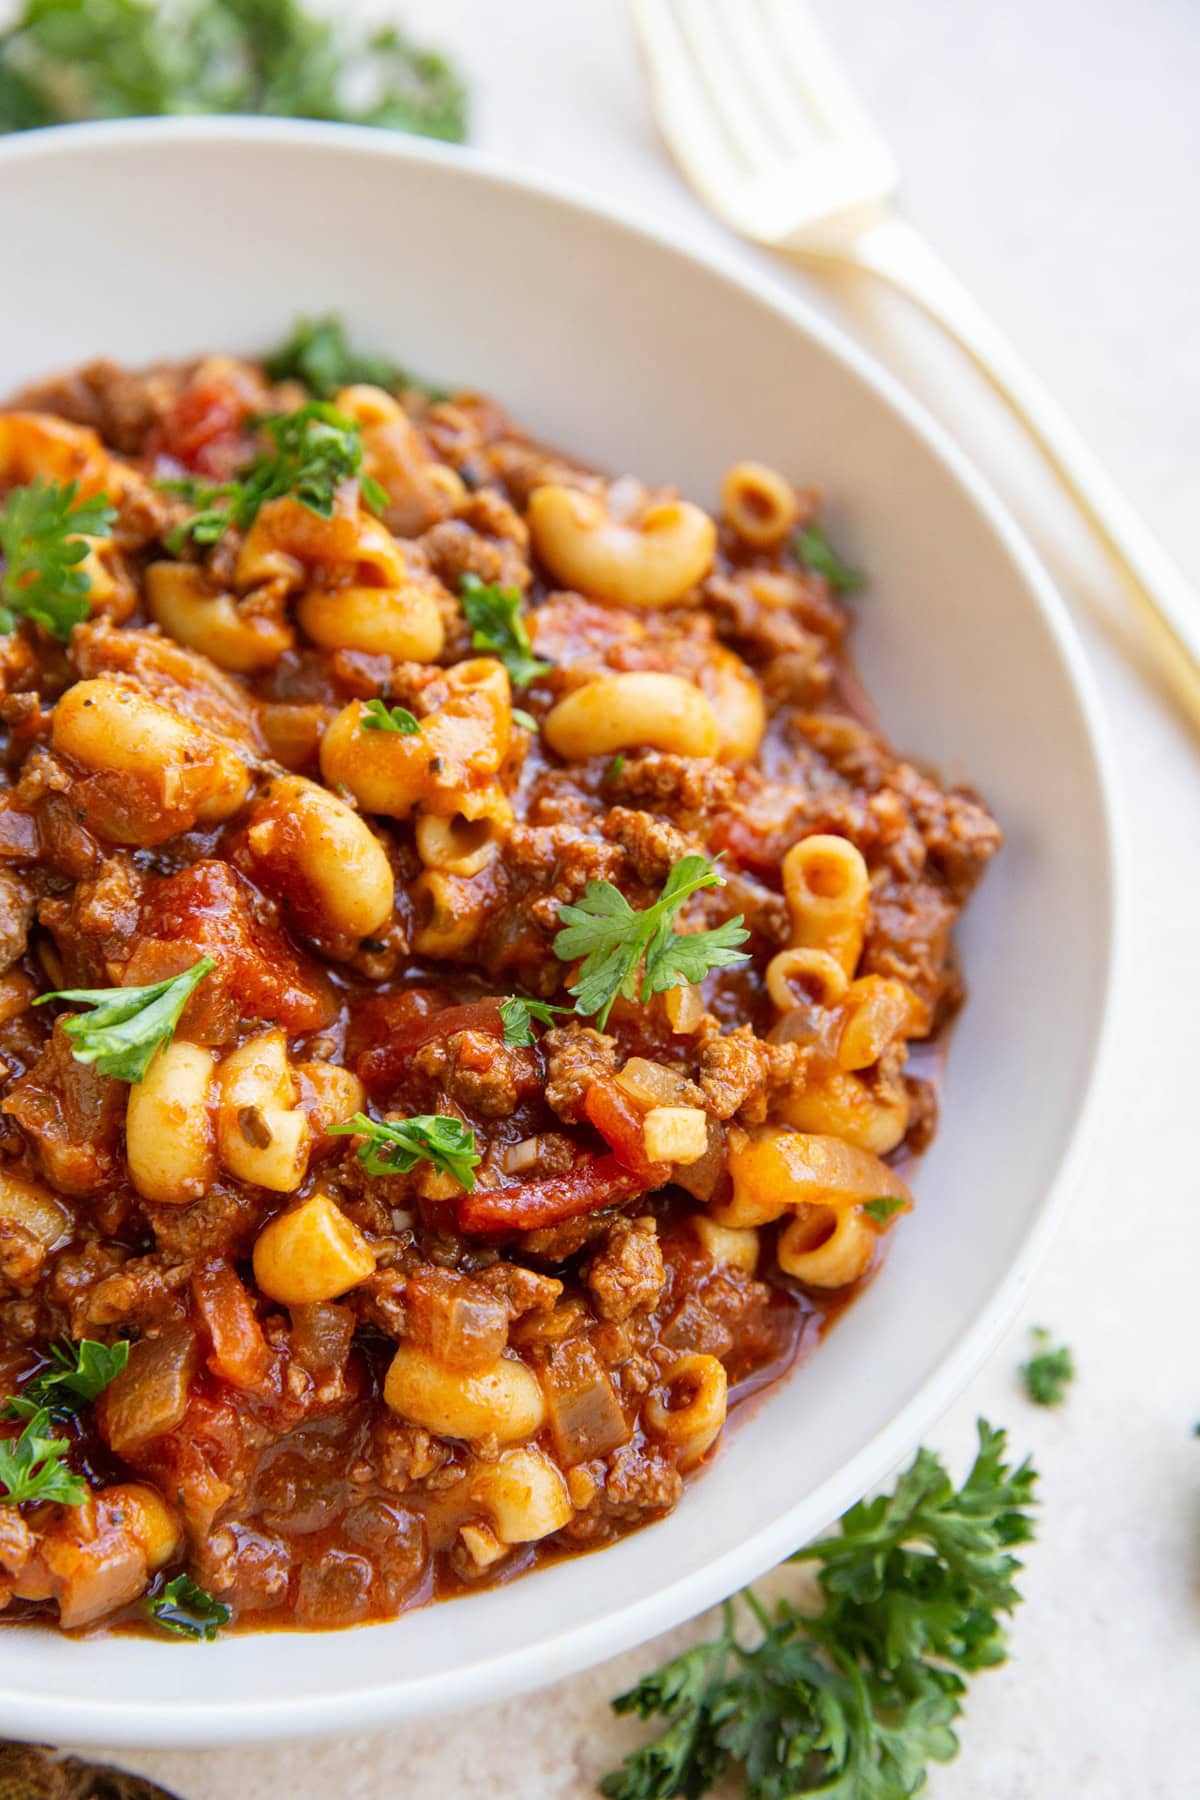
pixel 762 121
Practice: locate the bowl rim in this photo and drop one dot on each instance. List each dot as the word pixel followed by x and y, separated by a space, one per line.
pixel 232 1721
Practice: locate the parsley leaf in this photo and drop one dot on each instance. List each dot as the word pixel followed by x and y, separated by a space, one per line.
pixel 187 1610
pixel 852 1702
pixel 525 720
pixel 32 1468
pixel 613 771
pixel 43 539
pixel 394 1146
pixel 615 941
pixel 127 1025
pixel 78 1373
pixel 882 1210
pixel 62 60
pixel 377 716
pixel 319 354
pixel 518 1014
pixel 1048 1373
pixel 820 558
pixel 313 451
pixel 494 615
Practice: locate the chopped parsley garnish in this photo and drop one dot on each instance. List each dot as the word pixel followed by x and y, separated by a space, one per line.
pixel 127 1024
pixel 44 530
pixel 517 1014
pixel 882 1210
pixel 378 716
pixel 319 354
pixel 62 60
pixel 820 558
pixel 394 1146
pixel 616 942
pixel 525 720
pixel 613 771
pixel 77 1374
pixel 32 1467
pixel 187 1610
pixel 313 451
pixel 1049 1372
pixel 855 1701
pixel 494 615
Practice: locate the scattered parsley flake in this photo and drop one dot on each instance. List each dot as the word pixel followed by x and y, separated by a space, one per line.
pixel 312 452
pixel 525 720
pixel 77 1374
pixel 613 771
pixel 616 942
pixel 187 1610
pixel 127 1024
pixel 881 1210
pixel 394 1146
pixel 854 1702
pixel 32 1470
pixel 518 1014
pixel 44 532
pixel 378 716
pixel 1049 1372
pixel 820 558
pixel 494 615
pixel 319 355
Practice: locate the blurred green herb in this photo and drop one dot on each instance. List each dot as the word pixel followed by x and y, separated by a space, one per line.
pixel 127 1025
pixel 1049 1372
pixel 62 60
pixel 820 558
pixel 319 354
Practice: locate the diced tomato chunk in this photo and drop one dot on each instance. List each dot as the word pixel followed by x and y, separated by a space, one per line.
pixel 593 1182
pixel 240 1354
pixel 204 431
pixel 622 1126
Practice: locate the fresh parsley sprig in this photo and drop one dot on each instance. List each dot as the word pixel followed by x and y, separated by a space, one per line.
pixel 44 529
pixel 394 1146
pixel 61 60
pixel 517 1014
pixel 187 1610
pixel 312 452
pixel 494 615
pixel 77 1374
pixel 319 354
pixel 127 1024
pixel 378 716
pixel 854 1701
pixel 616 942
pixel 1049 1372
pixel 32 1468
pixel 820 558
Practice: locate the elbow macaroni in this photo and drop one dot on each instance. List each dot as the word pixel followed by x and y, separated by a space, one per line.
pixel 828 894
pixel 653 563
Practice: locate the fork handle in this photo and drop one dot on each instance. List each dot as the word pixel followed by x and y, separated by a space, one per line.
pixel 893 250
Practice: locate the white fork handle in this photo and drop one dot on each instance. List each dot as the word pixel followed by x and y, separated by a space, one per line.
pixel 893 250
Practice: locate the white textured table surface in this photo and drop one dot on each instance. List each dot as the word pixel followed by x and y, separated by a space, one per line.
pixel 1050 152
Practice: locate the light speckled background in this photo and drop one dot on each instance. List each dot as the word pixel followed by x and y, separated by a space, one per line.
pixel 1050 149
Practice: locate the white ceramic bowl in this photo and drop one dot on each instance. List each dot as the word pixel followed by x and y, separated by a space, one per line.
pixel 140 241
